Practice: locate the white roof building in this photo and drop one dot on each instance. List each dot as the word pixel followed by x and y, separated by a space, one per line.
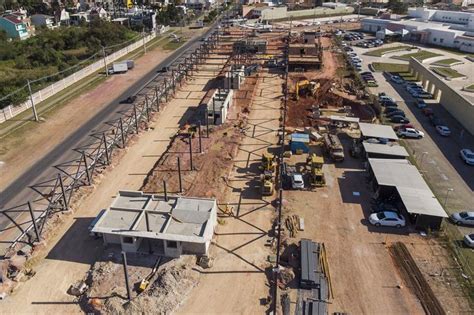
pixel 453 29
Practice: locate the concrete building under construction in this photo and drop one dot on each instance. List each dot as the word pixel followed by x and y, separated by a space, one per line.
pixel 218 105
pixel 166 225
pixel 250 46
pixel 303 57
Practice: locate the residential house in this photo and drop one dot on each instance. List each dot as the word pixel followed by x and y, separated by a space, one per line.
pixel 43 20
pixel 14 27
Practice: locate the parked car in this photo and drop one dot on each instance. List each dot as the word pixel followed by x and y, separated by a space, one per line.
pixel 396 113
pixel 410 133
pixel 435 121
pixel 420 103
pixel 468 156
pixel 297 181
pixel 469 240
pixel 404 126
pixel 443 130
pixel 390 109
pixel 399 119
pixel 387 218
pixel 396 79
pixel 427 111
pixel 464 218
pixel 422 94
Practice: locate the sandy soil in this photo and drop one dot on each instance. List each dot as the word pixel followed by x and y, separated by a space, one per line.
pixel 238 279
pixel 363 276
pixel 18 152
pixel 69 253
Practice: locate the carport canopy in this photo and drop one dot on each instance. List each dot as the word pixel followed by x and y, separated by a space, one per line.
pixel 416 196
pixel 385 149
pixel 377 131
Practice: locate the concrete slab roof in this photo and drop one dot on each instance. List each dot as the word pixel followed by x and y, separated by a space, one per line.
pixel 385 149
pixel 416 196
pixel 377 131
pixel 178 218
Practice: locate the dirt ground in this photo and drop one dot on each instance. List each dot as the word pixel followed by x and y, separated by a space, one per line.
pixel 364 277
pixel 240 272
pixel 20 150
pixel 69 252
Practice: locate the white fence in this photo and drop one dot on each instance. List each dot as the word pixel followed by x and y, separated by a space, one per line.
pixel 11 111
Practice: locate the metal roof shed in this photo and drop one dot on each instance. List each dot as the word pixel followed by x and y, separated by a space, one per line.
pixel 377 131
pixel 415 194
pixel 377 150
pixel 299 142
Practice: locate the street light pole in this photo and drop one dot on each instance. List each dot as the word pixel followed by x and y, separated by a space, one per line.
pixel 447 194
pixel 105 61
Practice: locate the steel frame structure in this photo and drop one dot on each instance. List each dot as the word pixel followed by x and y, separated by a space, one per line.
pixel 55 194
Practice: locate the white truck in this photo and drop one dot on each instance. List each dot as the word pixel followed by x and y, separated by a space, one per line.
pixel 119 67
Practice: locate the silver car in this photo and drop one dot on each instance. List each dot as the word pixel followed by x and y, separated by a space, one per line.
pixel 469 240
pixel 465 218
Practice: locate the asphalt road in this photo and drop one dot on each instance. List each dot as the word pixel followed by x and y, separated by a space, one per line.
pixel 18 192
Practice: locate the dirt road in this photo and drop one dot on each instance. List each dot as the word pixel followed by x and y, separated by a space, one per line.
pixel 70 252
pixel 238 278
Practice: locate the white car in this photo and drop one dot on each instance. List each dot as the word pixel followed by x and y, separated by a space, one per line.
pixel 443 130
pixel 468 156
pixel 387 218
pixel 410 133
pixel 465 217
pixel 469 240
pixel 297 181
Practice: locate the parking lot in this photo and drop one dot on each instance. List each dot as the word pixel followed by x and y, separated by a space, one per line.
pixel 451 179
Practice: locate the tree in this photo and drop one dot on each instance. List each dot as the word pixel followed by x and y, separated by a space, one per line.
pixel 397 6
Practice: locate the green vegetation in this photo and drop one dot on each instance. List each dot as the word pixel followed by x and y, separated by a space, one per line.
pixel 399 7
pixel 407 76
pixel 469 88
pixel 172 45
pixel 389 67
pixel 420 55
pixel 53 51
pixel 381 51
pixel 446 62
pixel 447 72
pixel 171 16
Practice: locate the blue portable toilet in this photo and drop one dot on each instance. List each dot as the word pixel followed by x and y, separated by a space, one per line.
pixel 299 143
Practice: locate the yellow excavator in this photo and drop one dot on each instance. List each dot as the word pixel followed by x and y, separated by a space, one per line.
pixel 268 162
pixel 308 87
pixel 316 175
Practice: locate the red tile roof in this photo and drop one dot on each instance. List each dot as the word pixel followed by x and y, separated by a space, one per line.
pixel 12 19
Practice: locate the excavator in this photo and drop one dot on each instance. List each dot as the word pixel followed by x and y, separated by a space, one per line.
pixel 309 87
pixel 316 175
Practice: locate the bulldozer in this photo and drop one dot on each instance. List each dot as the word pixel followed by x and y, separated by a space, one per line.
pixel 267 183
pixel 316 175
pixel 308 87
pixel 268 167
pixel 268 162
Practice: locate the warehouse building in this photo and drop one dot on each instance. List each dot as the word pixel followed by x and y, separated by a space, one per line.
pixel 452 29
pixel 400 179
pixel 167 225
pixel 384 151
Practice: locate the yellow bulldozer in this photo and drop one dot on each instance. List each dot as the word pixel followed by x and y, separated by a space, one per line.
pixel 306 87
pixel 316 175
pixel 268 167
pixel 268 162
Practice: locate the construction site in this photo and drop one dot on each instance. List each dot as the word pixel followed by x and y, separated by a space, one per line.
pixel 234 184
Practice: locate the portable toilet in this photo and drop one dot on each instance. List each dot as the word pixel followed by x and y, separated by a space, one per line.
pixel 299 143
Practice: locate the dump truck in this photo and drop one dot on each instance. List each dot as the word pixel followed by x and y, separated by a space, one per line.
pixel 333 147
pixel 316 175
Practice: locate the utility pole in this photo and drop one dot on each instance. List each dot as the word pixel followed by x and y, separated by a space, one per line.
pixel 144 43
pixel 33 106
pixel 105 61
pixel 125 271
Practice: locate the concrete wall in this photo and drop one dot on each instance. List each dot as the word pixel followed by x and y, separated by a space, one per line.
pixel 455 103
pixel 195 248
pixel 320 11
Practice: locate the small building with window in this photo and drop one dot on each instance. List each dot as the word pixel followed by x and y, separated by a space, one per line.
pixel 161 224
